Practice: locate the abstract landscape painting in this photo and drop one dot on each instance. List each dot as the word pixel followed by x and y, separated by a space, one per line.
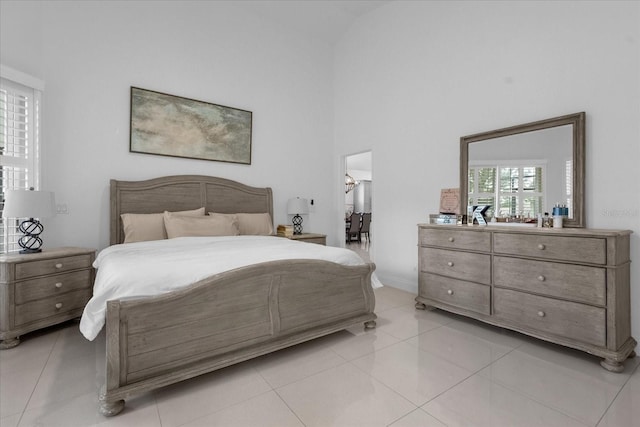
pixel 170 125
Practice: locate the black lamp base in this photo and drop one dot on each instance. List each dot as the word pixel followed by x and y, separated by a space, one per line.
pixel 31 243
pixel 297 224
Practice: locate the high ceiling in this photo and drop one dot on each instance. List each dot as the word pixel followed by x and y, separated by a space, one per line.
pixel 327 20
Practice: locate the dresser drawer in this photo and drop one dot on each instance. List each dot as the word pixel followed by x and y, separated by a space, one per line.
pixel 563 248
pixel 574 282
pixel 456 238
pixel 47 307
pixel 44 287
pixel 458 265
pixel 25 270
pixel 458 293
pixel 572 320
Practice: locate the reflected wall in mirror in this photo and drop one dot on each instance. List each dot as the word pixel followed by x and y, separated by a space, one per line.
pixel 527 169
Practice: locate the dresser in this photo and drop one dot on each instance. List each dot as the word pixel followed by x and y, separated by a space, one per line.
pixel 39 290
pixel 567 286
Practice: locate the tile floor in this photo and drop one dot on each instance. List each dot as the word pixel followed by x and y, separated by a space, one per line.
pixel 418 368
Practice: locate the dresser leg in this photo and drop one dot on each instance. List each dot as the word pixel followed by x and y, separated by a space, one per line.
pixel 421 306
pixel 612 365
pixel 109 409
pixel 9 343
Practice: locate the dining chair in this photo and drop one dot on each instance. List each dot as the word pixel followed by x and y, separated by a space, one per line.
pixel 365 226
pixel 354 227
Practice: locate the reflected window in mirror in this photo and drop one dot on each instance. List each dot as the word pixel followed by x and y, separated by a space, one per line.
pixel 519 189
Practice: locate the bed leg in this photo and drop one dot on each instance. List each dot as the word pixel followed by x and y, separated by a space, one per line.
pixel 370 324
pixel 109 409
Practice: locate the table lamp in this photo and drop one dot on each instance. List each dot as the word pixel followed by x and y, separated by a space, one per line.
pixel 29 204
pixel 296 207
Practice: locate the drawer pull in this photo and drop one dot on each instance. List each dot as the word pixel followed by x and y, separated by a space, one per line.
pixel 58 305
pixel 541 278
pixel 59 285
pixel 541 313
pixel 451 239
pixel 450 292
pixel 541 246
pixel 450 264
pixel 59 265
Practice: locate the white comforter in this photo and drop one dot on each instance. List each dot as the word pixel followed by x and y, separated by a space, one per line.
pixel 160 266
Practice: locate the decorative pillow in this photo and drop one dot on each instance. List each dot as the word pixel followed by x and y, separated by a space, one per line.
pixel 144 227
pixel 184 226
pixel 254 224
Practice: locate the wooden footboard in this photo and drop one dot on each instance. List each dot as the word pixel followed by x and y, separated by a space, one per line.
pixel 228 318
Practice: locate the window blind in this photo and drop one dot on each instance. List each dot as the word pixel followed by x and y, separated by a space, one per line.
pixel 19 149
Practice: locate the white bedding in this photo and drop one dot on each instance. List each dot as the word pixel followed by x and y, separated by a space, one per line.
pixel 160 266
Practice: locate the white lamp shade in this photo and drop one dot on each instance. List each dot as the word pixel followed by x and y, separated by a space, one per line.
pixel 297 206
pixel 28 204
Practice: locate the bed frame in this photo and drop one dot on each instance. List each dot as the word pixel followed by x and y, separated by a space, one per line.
pixel 227 318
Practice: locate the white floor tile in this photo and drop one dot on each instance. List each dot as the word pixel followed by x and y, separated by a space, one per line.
pixel 292 364
pixel 417 418
pixel 480 402
pixel 10 421
pixel 464 345
pixel 415 374
pixel 625 409
pixel 561 379
pixel 16 389
pixel 357 342
pixel 352 377
pixel 32 352
pixel 407 322
pixel 389 297
pixel 266 410
pixel 67 377
pixel 344 396
pixel 197 397
pixel 77 411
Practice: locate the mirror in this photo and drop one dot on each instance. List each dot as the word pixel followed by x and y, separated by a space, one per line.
pixel 527 169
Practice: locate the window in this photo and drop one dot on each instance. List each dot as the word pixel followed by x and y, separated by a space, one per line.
pixel 511 190
pixel 20 97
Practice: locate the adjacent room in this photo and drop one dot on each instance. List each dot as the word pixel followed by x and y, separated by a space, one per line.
pixel 254 213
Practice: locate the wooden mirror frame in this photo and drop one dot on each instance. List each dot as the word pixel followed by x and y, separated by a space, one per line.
pixel 577 121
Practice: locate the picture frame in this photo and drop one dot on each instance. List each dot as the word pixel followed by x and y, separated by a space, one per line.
pixel 450 201
pixel 174 126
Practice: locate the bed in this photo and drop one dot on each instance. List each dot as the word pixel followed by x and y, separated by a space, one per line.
pixel 228 317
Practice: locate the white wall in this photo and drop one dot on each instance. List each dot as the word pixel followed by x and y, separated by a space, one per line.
pixel 411 78
pixel 90 53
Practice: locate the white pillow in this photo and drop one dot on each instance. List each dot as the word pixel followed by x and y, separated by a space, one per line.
pixel 145 227
pixel 185 226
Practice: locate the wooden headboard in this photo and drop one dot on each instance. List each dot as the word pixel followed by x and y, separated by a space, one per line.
pixel 184 192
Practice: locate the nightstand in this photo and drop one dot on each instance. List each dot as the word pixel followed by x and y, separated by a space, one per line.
pixel 320 239
pixel 40 290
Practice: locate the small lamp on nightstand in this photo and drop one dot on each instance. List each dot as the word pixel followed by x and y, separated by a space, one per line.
pixel 29 204
pixel 296 207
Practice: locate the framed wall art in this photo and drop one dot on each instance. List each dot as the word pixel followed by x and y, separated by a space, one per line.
pixel 169 125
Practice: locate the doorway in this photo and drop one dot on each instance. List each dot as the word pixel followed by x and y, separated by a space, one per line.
pixel 358 203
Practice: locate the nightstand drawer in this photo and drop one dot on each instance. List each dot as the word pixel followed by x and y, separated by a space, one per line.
pixel 44 287
pixel 25 270
pixel 567 319
pixel 43 308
